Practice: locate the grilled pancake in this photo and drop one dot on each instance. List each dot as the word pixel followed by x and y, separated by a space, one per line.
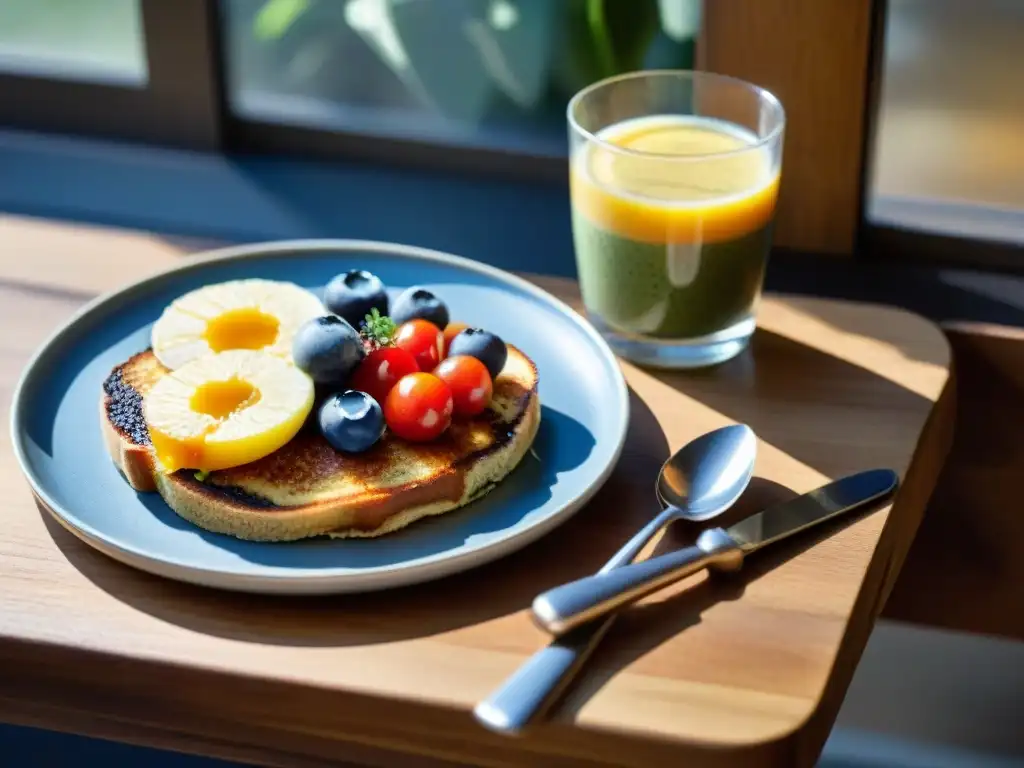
pixel 307 488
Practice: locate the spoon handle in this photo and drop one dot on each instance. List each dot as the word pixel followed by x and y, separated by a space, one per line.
pixel 539 682
pixel 627 552
pixel 564 608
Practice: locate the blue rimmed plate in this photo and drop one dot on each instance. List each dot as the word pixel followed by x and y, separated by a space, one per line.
pixel 57 439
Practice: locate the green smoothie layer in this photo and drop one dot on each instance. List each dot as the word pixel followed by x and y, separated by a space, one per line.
pixel 683 290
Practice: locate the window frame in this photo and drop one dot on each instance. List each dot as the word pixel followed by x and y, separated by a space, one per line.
pixel 822 210
pixel 181 104
pixel 269 138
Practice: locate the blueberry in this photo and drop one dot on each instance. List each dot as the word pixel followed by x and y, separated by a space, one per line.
pixel 351 421
pixel 353 294
pixel 483 345
pixel 328 349
pixel 416 303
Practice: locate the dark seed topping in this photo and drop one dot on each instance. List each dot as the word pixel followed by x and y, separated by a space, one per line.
pixel 124 408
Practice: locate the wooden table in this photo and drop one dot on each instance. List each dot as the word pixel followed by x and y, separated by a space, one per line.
pixel 741 671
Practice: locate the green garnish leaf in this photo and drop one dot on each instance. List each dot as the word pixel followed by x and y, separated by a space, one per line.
pixel 201 475
pixel 379 329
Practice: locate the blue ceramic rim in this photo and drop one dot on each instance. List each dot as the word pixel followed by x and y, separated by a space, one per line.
pixel 472 555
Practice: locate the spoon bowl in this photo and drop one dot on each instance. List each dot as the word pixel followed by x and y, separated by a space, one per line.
pixel 706 476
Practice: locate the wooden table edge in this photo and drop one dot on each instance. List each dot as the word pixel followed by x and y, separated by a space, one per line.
pixel 908 510
pixel 63 698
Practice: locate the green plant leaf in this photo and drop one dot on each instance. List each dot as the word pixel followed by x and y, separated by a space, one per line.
pixel 601 38
pixel 276 17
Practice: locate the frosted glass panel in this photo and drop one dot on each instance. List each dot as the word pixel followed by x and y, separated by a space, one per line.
pixel 94 40
pixel 493 73
pixel 948 154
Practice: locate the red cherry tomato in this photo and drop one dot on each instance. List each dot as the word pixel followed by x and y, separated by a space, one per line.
pixel 423 340
pixel 450 332
pixel 419 407
pixel 469 382
pixel 380 371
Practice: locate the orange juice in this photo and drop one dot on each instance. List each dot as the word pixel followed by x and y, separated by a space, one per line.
pixel 672 234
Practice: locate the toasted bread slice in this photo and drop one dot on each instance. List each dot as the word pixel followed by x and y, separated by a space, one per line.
pixel 307 488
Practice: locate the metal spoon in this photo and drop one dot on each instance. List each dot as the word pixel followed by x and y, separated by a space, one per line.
pixel 702 479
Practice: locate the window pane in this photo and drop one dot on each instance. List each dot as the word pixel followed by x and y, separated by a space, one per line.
pixel 949 154
pixel 492 73
pixel 95 40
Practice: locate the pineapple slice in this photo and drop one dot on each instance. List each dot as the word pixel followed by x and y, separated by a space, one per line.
pixel 224 410
pixel 239 314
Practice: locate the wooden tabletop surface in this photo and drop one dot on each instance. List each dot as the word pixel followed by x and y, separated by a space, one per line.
pixel 742 671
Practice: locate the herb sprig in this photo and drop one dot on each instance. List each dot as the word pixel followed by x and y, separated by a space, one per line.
pixel 379 329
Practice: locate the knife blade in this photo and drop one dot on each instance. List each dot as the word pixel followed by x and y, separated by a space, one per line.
pixel 789 518
pixel 563 608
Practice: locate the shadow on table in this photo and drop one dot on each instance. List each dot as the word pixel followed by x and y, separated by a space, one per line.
pixel 884 325
pixel 491 592
pixel 642 628
pixel 804 400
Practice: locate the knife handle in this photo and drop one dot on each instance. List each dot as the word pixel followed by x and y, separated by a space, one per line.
pixel 563 608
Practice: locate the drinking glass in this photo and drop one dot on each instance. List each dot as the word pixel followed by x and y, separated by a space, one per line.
pixel 674 177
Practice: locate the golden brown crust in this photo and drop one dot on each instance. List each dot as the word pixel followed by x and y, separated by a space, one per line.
pixel 316 491
pixel 212 511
